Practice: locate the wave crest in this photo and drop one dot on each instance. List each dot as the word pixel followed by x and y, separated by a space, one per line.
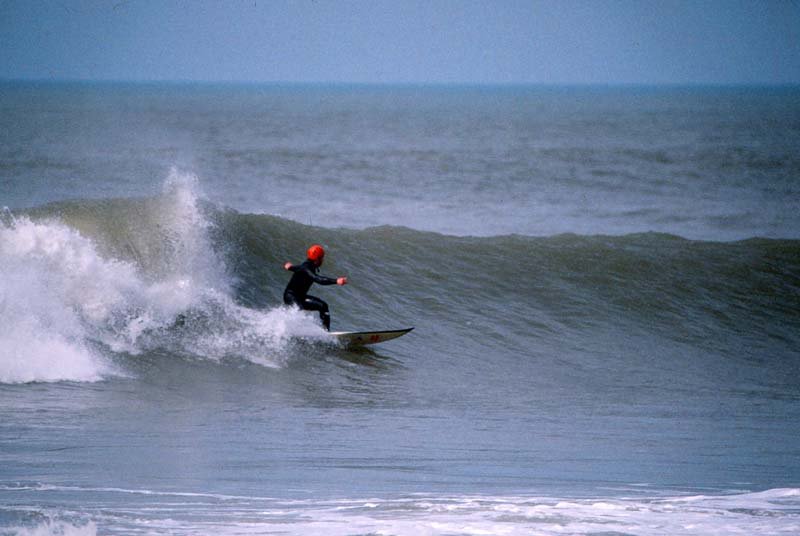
pixel 89 278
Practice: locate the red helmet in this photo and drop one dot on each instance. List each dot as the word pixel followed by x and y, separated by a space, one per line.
pixel 316 254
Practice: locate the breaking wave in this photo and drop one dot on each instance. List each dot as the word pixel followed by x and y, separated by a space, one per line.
pixel 88 281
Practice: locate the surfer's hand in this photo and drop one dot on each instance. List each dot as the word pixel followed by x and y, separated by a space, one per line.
pixel 341 281
pixel 287 266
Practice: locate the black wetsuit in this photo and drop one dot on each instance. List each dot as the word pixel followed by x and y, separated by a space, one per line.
pixel 296 292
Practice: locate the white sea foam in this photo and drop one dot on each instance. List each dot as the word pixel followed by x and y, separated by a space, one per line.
pixel 258 336
pixel 56 528
pixel 64 305
pixel 770 513
pixel 53 284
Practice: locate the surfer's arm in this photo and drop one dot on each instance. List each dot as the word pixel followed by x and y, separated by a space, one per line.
pixel 316 278
pixel 322 280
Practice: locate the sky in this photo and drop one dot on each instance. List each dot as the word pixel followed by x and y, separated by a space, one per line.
pixel 406 42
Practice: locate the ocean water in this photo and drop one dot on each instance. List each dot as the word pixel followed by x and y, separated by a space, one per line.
pixel 604 285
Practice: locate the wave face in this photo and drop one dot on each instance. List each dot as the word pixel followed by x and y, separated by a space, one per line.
pixel 86 279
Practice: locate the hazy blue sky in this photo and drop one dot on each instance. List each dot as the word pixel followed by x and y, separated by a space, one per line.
pixel 403 41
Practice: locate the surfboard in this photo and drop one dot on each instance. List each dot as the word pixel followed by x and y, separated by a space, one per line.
pixel 362 338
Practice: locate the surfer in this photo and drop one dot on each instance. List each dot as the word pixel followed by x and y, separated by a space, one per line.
pixel 304 276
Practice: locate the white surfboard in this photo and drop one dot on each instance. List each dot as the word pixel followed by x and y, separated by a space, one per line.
pixel 361 338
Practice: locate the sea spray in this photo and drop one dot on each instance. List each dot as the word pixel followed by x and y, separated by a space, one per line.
pixel 81 284
pixel 57 527
pixel 54 284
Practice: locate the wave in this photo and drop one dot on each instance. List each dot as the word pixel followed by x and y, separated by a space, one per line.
pixel 87 280
pixel 769 512
pixel 48 526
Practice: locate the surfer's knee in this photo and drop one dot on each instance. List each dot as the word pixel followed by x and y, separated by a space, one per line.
pixel 312 303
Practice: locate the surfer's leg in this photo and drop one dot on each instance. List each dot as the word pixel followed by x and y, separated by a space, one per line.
pixel 312 303
pixel 290 299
